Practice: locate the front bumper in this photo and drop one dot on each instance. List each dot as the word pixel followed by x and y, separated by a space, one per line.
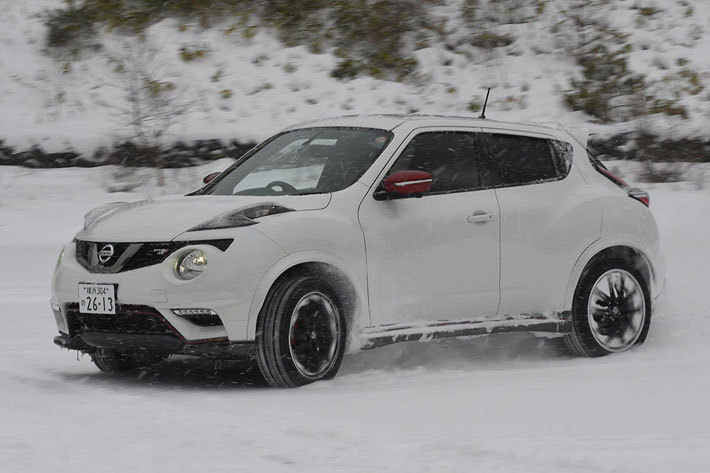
pixel 227 287
pixel 159 344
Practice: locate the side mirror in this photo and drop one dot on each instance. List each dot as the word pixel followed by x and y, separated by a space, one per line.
pixel 209 177
pixel 408 182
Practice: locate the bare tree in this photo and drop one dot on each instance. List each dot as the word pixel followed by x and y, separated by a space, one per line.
pixel 150 101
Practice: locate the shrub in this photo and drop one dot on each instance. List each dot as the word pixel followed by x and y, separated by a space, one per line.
pixel 370 32
pixel 71 25
pixel 668 107
pixel 490 40
pixel 156 88
pixel 77 21
pixel 475 105
pixel 694 84
pixel 346 69
pixel 187 54
pixel 367 34
pixel 648 11
pixel 468 10
pixel 606 79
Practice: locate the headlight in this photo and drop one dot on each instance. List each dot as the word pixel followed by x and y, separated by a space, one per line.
pixel 191 264
pixel 241 217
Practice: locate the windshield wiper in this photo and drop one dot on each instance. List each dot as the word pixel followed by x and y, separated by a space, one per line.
pixel 310 193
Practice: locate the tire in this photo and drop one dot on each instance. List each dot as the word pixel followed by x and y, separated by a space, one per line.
pixel 611 311
pixel 117 362
pixel 300 333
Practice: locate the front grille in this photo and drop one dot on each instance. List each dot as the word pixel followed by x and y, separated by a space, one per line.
pixel 129 256
pixel 132 319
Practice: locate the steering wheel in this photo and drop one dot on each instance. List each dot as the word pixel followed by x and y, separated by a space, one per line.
pixel 285 187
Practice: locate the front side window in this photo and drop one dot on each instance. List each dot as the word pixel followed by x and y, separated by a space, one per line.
pixel 518 160
pixel 305 161
pixel 450 157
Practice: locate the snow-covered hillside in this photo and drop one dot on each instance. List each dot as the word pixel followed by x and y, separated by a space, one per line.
pixel 510 403
pixel 247 87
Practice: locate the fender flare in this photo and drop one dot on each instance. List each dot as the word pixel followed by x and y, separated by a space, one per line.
pixel 360 314
pixel 599 246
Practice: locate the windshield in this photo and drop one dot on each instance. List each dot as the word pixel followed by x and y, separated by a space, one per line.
pixel 304 161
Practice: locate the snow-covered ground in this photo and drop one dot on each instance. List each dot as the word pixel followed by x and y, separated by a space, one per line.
pixel 510 403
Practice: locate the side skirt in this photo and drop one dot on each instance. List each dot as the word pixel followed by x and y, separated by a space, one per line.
pixel 549 322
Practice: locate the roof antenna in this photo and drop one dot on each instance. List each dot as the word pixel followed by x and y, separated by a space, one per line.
pixel 483 112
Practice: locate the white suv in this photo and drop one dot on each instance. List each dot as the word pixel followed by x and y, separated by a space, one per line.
pixel 362 231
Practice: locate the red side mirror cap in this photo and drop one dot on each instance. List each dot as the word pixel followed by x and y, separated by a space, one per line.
pixel 209 177
pixel 408 182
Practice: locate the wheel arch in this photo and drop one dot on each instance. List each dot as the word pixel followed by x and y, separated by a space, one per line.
pixel 635 257
pixel 350 290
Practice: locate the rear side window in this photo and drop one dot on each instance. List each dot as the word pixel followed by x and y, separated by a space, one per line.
pixel 450 157
pixel 512 160
pixel 562 153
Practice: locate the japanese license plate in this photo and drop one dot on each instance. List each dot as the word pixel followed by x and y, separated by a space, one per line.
pixel 97 298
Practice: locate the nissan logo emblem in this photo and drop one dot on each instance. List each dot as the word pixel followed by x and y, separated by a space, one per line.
pixel 106 253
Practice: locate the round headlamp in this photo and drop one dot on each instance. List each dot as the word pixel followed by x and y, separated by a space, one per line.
pixel 191 264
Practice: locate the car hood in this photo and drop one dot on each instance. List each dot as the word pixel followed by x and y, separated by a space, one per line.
pixel 165 218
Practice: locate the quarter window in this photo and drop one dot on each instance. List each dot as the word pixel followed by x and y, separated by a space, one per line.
pixel 450 157
pixel 521 160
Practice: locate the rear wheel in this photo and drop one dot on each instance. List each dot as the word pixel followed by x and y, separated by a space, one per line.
pixel 300 333
pixel 119 362
pixel 611 312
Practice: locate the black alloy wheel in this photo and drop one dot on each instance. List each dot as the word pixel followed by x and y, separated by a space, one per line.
pixel 611 312
pixel 301 332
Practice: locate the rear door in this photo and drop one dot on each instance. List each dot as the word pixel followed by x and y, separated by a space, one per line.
pixel 547 217
pixel 434 257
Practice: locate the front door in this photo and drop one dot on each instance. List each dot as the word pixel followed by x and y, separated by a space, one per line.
pixel 436 256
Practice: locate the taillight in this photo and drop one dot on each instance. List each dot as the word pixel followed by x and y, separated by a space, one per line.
pixel 633 192
pixel 640 195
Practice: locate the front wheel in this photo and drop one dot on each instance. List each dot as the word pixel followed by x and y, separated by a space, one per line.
pixel 301 332
pixel 611 311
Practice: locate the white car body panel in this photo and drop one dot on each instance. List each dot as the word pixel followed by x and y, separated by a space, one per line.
pixel 541 237
pixel 421 252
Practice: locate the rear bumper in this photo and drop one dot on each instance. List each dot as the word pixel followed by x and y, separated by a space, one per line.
pixel 88 342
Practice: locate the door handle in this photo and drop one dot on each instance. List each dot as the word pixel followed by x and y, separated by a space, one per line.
pixel 480 217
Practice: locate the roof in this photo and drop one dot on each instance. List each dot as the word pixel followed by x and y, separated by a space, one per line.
pixel 392 121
